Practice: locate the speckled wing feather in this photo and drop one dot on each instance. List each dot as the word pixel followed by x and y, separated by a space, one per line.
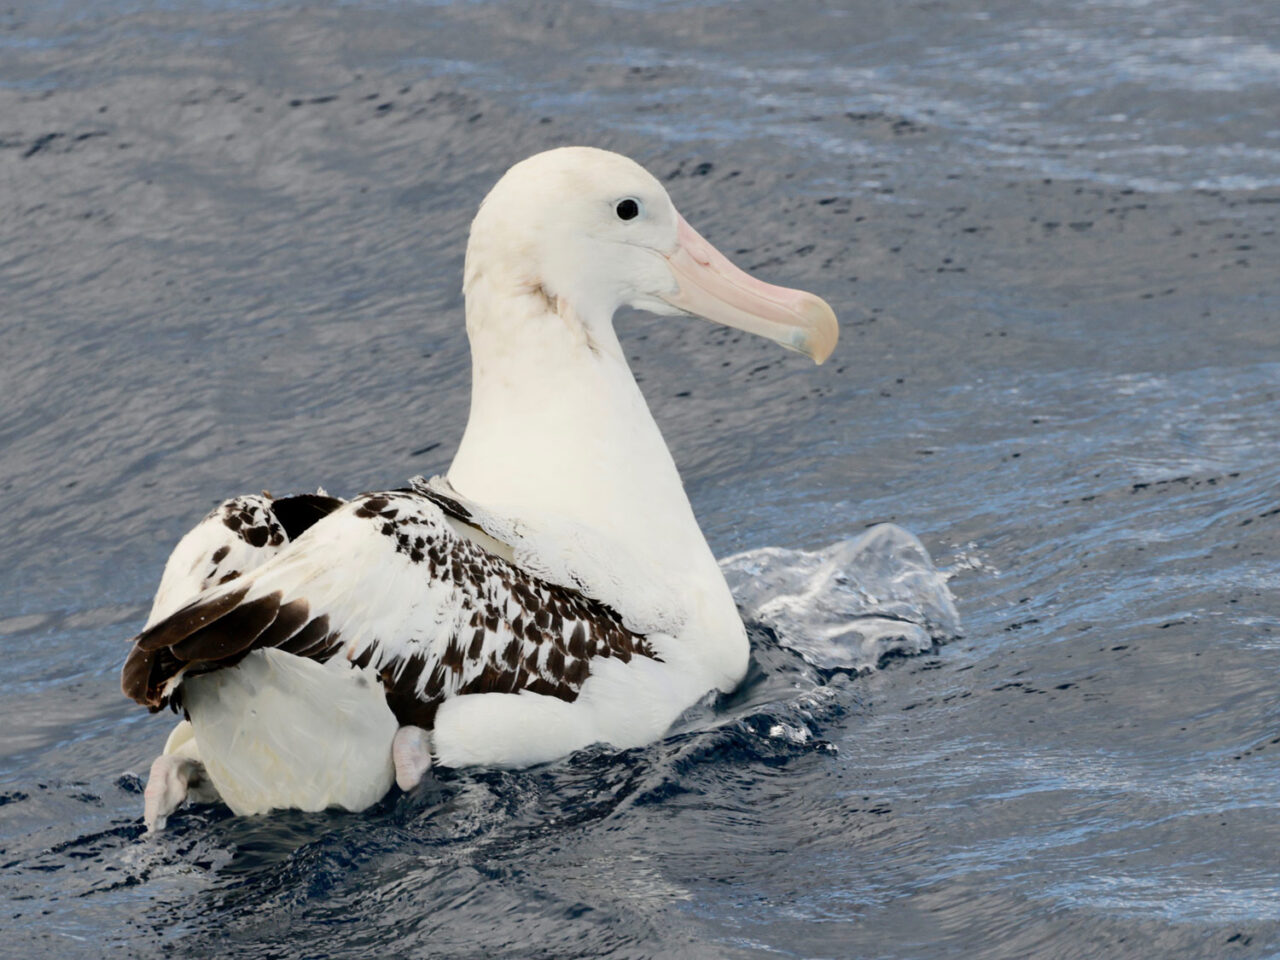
pixel 237 536
pixel 391 581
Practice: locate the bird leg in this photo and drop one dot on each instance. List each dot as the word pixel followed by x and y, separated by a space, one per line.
pixel 411 754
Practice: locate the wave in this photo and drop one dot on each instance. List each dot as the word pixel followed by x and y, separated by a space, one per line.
pixel 849 605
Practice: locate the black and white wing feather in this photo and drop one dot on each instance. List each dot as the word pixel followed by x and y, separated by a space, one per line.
pixel 237 536
pixel 390 581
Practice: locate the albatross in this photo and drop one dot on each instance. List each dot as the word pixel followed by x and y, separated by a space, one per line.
pixel 553 590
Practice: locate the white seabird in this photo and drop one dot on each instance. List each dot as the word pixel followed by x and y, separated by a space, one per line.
pixel 552 592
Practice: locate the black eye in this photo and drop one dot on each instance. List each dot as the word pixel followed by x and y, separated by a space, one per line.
pixel 627 209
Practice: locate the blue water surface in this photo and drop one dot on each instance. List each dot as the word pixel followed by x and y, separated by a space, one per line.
pixel 230 260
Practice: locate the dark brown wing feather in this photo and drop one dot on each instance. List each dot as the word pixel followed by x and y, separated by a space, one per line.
pixel 299 513
pixel 217 633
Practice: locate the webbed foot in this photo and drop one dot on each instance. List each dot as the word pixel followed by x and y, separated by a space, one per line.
pixel 171 779
pixel 411 754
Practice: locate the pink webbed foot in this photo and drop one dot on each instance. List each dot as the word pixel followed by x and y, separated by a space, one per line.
pixel 168 784
pixel 411 754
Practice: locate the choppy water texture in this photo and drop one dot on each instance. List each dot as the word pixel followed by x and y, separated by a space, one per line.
pixel 230 252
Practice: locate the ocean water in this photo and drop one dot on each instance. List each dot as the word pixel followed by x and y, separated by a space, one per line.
pixel 231 239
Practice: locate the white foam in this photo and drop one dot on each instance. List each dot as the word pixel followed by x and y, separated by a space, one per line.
pixel 850 604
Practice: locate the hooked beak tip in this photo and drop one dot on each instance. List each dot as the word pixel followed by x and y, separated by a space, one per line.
pixel 709 285
pixel 822 332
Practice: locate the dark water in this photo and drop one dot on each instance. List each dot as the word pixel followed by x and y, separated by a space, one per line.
pixel 230 252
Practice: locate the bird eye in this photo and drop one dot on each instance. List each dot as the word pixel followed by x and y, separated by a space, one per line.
pixel 628 208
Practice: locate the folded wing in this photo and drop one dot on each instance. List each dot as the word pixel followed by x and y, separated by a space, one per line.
pixel 390 581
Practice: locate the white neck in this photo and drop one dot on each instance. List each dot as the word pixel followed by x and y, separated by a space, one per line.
pixel 560 438
pixel 559 431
